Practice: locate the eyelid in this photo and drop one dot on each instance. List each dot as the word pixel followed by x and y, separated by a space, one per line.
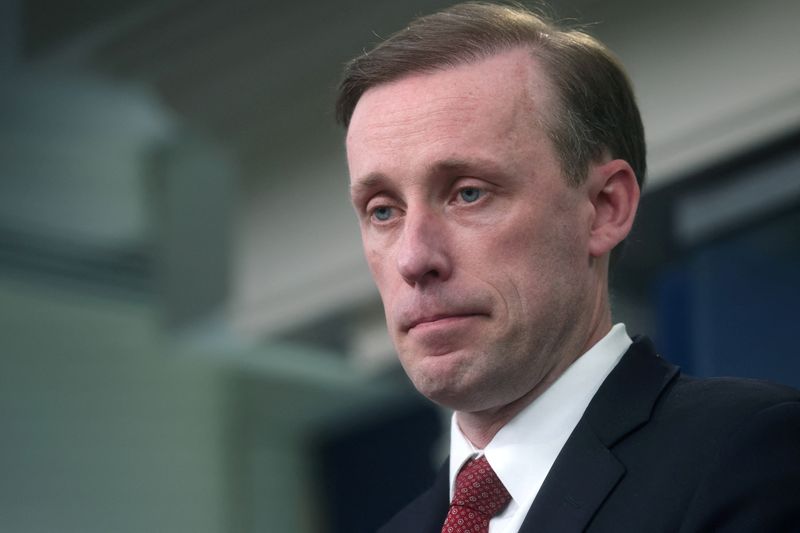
pixel 471 182
pixel 370 202
pixel 377 200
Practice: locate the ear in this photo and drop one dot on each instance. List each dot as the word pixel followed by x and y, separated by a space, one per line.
pixel 614 193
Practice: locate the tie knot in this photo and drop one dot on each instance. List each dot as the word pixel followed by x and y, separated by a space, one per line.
pixel 478 488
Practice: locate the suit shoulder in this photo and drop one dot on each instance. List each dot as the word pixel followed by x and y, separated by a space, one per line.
pixel 718 406
pixel 750 482
pixel 735 395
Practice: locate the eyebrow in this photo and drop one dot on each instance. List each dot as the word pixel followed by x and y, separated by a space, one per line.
pixel 375 180
pixel 367 183
pixel 456 166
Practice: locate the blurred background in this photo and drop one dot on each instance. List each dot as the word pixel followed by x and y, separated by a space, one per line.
pixel 189 337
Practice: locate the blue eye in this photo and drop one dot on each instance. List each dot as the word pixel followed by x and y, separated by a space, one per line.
pixel 382 213
pixel 470 194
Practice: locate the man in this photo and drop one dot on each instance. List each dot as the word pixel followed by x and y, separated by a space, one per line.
pixel 495 166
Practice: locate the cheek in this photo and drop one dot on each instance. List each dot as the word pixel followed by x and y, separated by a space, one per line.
pixel 518 248
pixel 506 260
pixel 379 263
pixel 528 260
pixel 376 258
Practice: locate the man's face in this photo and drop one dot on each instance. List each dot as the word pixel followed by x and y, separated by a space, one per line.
pixel 476 242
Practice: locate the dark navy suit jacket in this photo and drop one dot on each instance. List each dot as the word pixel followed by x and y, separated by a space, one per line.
pixel 657 451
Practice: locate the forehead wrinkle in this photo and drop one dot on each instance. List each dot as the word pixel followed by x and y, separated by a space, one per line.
pixel 441 116
pixel 465 165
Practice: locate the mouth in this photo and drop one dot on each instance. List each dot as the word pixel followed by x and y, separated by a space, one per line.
pixel 438 320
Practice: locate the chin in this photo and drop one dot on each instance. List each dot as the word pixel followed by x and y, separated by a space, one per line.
pixel 451 393
pixel 438 389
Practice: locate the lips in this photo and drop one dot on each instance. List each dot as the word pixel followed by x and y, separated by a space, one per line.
pixel 423 310
pixel 437 318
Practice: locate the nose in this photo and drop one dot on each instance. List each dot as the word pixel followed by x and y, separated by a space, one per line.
pixel 422 255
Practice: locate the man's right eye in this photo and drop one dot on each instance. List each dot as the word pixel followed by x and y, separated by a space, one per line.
pixel 382 213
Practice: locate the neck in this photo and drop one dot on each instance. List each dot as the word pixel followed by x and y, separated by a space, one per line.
pixel 480 427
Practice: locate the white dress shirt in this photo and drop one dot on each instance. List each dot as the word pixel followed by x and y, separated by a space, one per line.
pixel 524 450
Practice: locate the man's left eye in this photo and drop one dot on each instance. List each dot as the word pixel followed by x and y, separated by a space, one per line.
pixel 470 194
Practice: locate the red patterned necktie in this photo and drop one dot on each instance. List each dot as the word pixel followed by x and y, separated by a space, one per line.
pixel 479 495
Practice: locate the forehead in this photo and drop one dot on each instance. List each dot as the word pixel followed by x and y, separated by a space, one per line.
pixel 467 107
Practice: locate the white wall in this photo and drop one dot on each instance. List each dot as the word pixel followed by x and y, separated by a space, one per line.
pixel 101 430
pixel 713 77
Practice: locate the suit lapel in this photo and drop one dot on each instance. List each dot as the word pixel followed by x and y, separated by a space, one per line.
pixel 586 470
